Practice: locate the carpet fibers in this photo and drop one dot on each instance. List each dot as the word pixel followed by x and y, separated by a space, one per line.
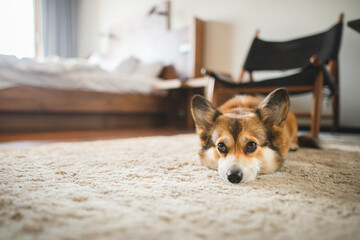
pixel 156 188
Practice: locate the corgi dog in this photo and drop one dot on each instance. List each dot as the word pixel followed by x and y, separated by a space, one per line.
pixel 245 136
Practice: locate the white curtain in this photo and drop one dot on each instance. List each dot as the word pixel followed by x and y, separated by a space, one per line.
pixel 60 27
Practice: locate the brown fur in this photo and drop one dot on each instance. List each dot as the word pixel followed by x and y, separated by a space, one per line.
pixel 243 120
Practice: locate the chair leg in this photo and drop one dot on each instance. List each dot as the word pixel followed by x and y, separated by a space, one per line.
pixel 334 71
pixel 316 105
pixel 335 112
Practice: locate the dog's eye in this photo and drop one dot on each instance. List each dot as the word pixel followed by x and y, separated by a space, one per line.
pixel 221 147
pixel 251 147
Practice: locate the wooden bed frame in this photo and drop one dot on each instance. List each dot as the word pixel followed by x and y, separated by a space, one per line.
pixel 34 109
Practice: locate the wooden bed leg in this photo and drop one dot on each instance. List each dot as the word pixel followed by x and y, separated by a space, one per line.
pixel 316 105
pixel 189 120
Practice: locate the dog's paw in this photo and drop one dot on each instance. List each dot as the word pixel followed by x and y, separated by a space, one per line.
pixel 294 147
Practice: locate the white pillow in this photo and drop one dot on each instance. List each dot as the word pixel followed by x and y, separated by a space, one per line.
pixel 95 59
pixel 150 70
pixel 107 64
pixel 128 66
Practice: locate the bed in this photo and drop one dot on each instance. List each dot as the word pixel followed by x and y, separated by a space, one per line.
pixel 29 105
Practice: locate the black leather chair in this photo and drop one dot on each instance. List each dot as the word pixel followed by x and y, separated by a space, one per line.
pixel 315 57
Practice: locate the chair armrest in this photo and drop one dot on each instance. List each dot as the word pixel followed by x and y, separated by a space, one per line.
pixel 315 60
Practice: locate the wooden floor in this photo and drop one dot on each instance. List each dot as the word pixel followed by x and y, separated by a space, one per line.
pixel 32 139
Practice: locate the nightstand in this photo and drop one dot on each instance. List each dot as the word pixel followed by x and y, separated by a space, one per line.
pixel 191 87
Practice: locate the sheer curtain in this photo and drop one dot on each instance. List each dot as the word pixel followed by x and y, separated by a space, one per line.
pixel 59 27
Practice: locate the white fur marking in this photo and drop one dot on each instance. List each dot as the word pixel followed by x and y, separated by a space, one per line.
pixel 249 171
pixel 210 159
pixel 209 154
pixel 224 166
pixel 268 161
pixel 215 136
pixel 239 115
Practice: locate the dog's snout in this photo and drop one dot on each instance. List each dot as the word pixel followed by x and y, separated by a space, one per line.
pixel 234 176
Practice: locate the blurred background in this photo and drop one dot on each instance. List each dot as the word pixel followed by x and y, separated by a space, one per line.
pixel 84 28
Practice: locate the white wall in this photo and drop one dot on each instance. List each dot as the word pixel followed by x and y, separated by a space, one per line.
pixel 230 28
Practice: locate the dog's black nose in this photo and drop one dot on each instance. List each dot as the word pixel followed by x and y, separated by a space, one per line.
pixel 234 176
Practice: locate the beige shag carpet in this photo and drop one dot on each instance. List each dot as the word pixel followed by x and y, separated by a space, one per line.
pixel 156 188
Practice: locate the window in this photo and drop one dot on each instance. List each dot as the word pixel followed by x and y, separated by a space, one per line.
pixel 17 34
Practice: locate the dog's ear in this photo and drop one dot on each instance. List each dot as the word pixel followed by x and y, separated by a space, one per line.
pixel 273 110
pixel 204 112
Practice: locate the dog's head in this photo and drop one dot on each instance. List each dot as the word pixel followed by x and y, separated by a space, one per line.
pixel 241 145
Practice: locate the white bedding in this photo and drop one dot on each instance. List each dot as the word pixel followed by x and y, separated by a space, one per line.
pixel 70 74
